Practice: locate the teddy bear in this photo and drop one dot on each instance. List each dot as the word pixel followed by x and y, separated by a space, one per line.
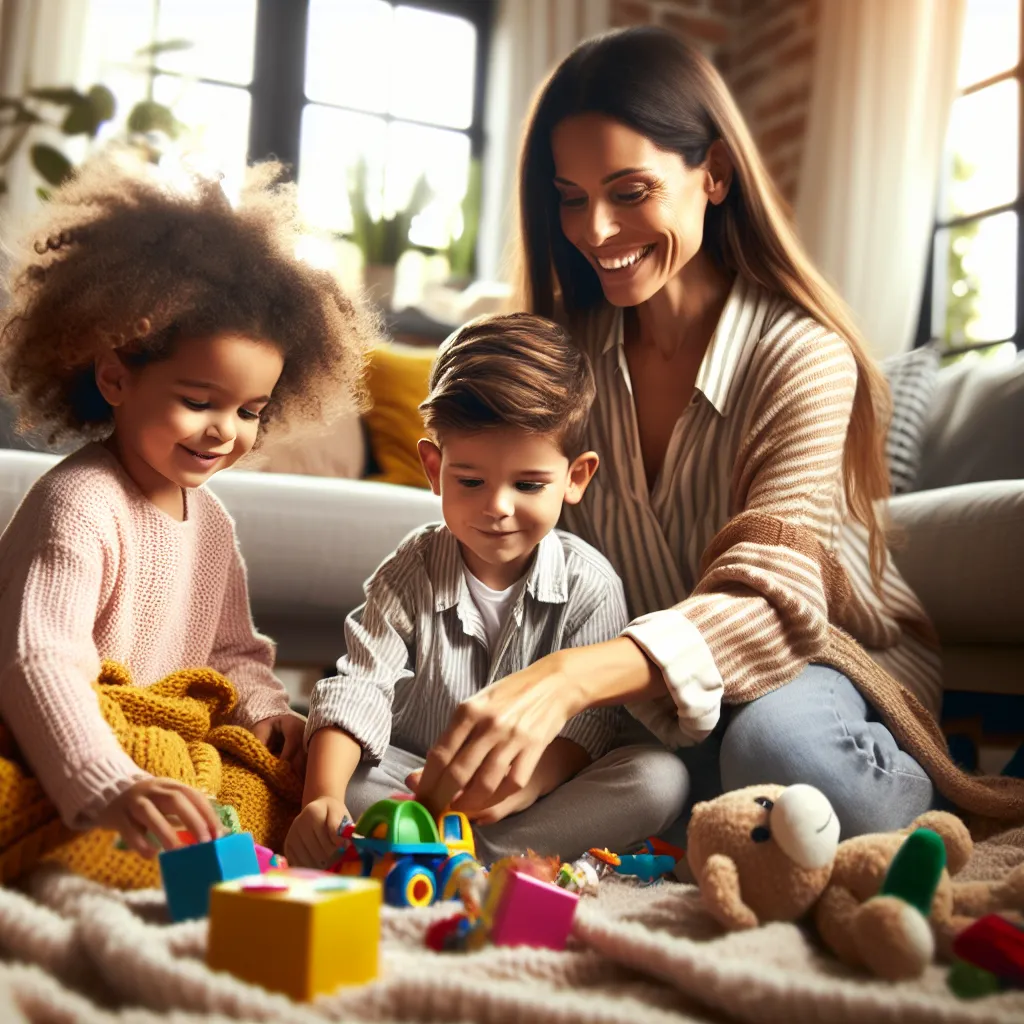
pixel 772 853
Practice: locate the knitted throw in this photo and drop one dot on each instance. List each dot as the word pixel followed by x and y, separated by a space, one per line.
pixel 170 730
pixel 992 803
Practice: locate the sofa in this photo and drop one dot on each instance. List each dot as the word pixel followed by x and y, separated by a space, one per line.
pixel 310 541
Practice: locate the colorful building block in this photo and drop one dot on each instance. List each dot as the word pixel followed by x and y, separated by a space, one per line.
pixel 529 912
pixel 296 931
pixel 188 872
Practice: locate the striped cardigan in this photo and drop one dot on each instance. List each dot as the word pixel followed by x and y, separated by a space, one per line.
pixel 764 432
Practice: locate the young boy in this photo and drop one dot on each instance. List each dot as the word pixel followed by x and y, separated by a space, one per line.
pixel 463 603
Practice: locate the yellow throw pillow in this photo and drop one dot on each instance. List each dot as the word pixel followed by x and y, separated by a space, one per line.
pixel 397 378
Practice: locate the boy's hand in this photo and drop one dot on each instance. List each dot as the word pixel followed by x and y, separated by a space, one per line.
pixel 142 812
pixel 282 736
pixel 313 837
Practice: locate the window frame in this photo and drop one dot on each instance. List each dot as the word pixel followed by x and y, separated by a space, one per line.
pixel 279 75
pixel 925 334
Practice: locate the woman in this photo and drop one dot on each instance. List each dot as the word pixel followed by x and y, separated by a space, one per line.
pixel 730 381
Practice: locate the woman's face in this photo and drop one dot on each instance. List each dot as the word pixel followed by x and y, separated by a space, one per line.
pixel 635 211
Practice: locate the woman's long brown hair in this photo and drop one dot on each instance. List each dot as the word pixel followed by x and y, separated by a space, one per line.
pixel 653 82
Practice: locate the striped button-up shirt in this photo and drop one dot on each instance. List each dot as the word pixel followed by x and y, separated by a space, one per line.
pixel 765 430
pixel 417 647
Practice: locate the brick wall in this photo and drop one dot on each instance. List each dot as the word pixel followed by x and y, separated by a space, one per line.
pixel 765 51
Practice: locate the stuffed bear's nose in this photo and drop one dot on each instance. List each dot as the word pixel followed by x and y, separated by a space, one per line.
pixel 805 826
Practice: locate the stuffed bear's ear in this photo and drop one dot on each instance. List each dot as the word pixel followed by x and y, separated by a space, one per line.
pixel 720 892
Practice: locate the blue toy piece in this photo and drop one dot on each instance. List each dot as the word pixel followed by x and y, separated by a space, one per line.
pixel 645 866
pixel 409 884
pixel 189 872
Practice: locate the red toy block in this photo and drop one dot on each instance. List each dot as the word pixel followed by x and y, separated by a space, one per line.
pixel 995 945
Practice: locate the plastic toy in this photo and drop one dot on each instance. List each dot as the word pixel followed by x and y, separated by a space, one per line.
pixel 267 859
pixel 970 982
pixel 526 911
pixel 584 874
pixel 188 872
pixel 296 931
pixel 398 842
pixel 772 853
pixel 993 944
pixel 645 866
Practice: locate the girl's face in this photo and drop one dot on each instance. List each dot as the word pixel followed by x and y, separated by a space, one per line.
pixel 636 212
pixel 179 420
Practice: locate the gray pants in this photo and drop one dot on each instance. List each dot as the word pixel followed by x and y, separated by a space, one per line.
pixel 618 801
pixel 817 729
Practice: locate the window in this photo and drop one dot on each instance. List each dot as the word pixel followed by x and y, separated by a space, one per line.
pixel 973 295
pixel 201 69
pixel 391 88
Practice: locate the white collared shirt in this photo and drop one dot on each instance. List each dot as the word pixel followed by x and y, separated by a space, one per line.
pixel 418 646
pixel 764 430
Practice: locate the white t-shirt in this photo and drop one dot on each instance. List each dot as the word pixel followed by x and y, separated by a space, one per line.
pixel 493 606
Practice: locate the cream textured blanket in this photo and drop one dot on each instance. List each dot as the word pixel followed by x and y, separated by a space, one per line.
pixel 71 950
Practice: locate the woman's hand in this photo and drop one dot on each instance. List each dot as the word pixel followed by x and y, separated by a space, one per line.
pixel 282 736
pixel 142 815
pixel 496 738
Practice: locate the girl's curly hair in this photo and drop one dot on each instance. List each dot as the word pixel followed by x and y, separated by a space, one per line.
pixel 121 260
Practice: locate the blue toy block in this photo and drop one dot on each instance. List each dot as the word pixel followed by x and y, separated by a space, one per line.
pixel 189 872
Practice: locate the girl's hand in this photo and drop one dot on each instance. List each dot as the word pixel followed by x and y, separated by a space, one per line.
pixel 141 814
pixel 282 736
pixel 496 738
pixel 313 838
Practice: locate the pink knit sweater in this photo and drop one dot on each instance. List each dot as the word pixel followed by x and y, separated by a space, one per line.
pixel 91 570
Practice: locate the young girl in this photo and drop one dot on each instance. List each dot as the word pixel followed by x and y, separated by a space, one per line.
pixel 168 330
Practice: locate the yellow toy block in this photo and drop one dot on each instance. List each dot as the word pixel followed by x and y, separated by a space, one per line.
pixel 296 931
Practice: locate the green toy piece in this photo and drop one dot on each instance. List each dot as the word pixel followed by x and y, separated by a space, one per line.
pixel 228 817
pixel 970 982
pixel 914 873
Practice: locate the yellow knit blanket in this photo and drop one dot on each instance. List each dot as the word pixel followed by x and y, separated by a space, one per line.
pixel 170 730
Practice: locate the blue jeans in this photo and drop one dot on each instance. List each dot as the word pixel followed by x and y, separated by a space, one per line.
pixel 817 729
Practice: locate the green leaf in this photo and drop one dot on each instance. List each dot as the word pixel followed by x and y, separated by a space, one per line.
pixel 80 120
pixel 26 116
pixel 3 187
pixel 43 194
pixel 167 46
pixel 148 116
pixel 103 103
pixel 51 164
pixel 62 95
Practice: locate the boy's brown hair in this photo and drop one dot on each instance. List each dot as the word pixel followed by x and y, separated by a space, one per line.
pixel 514 370
pixel 120 260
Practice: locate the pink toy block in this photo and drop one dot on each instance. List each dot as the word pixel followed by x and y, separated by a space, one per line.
pixel 267 859
pixel 532 913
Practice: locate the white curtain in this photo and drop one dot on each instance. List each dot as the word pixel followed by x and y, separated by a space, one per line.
pixel 529 40
pixel 40 44
pixel 884 82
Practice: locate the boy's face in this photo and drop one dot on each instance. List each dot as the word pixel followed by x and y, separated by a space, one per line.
pixel 182 419
pixel 501 493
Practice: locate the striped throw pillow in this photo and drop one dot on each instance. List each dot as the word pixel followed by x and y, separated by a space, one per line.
pixel 912 377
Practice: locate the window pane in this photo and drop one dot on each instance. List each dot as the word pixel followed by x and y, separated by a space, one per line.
pixel 991 40
pixel 976 281
pixel 222 34
pixel 348 53
pixel 981 151
pixel 434 57
pixel 397 157
pixel 114 31
pixel 217 122
pixel 332 143
pixel 442 158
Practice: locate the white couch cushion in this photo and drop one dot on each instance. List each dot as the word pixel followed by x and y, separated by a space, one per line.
pixel 961 549
pixel 974 428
